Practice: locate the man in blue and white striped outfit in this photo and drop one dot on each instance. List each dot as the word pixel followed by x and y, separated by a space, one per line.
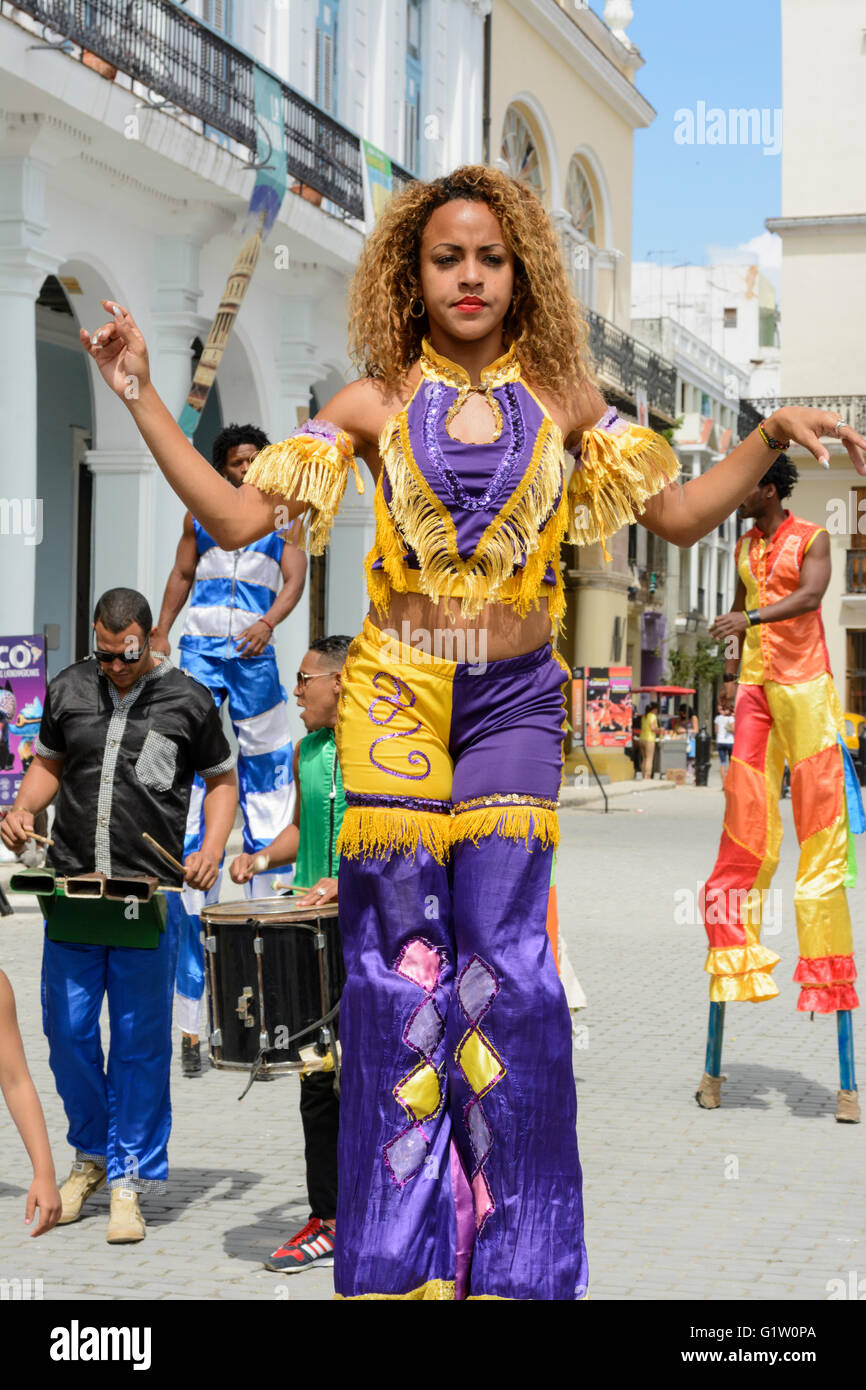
pixel 238 597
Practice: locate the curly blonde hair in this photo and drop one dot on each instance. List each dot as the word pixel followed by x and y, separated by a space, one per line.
pixel 543 323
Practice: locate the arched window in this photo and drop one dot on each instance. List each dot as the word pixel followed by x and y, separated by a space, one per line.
pixel 579 200
pixel 579 234
pixel 520 153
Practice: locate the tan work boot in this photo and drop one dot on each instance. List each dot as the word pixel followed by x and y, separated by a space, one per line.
pixel 126 1223
pixel 848 1107
pixel 85 1179
pixel 709 1092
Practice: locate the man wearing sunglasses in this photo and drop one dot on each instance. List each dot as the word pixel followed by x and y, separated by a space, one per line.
pixel 123 734
pixel 310 843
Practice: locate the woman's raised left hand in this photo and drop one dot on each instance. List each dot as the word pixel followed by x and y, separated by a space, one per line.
pixel 804 425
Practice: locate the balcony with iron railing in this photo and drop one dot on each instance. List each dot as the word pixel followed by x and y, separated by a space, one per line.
pixel 181 64
pixel 752 412
pixel 626 365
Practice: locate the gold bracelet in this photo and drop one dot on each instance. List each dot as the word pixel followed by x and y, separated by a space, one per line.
pixel 770 441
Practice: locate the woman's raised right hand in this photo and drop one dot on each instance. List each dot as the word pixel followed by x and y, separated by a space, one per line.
pixel 120 352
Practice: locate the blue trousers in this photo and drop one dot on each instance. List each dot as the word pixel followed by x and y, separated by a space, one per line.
pixel 119 1114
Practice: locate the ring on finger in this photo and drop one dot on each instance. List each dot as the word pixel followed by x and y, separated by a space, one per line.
pixel 841 425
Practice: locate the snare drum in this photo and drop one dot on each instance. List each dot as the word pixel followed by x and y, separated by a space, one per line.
pixel 274 975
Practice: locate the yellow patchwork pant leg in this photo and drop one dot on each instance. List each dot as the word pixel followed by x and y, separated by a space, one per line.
pixel 809 717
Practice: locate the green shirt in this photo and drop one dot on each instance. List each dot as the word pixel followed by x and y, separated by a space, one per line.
pixel 323 805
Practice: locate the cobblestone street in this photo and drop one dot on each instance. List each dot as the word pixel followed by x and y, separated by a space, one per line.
pixel 756 1200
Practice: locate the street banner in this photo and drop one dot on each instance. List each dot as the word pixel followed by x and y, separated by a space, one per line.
pixel 271 178
pixel 578 695
pixel 22 697
pixel 377 180
pixel 608 706
pixel 267 198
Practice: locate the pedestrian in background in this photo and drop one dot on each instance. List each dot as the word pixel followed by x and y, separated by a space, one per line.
pixel 649 727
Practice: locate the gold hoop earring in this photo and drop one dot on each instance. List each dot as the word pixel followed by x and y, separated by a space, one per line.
pixel 412 313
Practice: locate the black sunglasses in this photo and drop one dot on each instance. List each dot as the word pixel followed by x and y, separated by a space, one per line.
pixel 127 656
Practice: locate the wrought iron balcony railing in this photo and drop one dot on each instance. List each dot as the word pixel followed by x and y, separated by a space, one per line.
pixel 855 572
pixel 183 63
pixel 629 365
pixel 851 408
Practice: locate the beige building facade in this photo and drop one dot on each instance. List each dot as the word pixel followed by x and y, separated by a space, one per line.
pixel 564 106
pixel 823 359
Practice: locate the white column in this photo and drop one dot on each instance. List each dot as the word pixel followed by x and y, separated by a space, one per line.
pixel 176 323
pixel 714 573
pixel 123 520
pixel 23 267
pixel 298 361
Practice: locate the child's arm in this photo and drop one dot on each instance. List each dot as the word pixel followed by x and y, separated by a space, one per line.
pixel 17 1086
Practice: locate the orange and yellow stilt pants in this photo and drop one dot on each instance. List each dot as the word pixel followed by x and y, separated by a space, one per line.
pixel 800 723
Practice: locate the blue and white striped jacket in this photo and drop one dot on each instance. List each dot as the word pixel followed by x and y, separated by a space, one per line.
pixel 232 589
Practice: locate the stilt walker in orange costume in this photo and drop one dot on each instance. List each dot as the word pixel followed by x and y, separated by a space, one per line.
pixel 787 708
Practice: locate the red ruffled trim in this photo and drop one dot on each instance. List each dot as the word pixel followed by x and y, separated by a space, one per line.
pixel 824 970
pixel 827 999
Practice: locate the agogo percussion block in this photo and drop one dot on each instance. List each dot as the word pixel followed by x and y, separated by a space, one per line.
pixel 274 976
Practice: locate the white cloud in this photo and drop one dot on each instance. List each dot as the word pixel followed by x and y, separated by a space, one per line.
pixel 763 250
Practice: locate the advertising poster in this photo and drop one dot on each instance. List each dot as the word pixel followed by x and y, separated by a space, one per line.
pixel 22 695
pixel 608 706
pixel 577 705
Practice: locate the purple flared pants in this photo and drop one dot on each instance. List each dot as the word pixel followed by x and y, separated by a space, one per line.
pixel 458 1165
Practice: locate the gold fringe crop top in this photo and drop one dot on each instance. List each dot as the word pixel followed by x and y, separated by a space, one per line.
pixel 479 522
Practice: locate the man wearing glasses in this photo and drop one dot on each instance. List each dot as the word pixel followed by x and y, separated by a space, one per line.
pixel 122 736
pixel 310 843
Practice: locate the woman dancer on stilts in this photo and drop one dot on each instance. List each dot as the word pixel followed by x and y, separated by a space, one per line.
pixel 459 1172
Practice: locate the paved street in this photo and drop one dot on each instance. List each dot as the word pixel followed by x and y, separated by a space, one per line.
pixel 757 1200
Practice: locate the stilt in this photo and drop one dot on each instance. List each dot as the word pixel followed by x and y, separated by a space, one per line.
pixel 709 1092
pixel 848 1106
pixel 715 1034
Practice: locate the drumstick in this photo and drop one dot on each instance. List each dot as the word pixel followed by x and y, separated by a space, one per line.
pixel 164 852
pixel 42 839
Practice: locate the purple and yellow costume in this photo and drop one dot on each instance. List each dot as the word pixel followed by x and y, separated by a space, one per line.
pixel 459 1172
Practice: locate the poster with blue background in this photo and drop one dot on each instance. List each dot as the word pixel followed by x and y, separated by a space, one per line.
pixel 22 696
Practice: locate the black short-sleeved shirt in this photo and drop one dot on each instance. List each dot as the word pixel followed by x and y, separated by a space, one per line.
pixel 128 766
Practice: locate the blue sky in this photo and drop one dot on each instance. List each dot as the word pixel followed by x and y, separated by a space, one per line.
pixel 692 198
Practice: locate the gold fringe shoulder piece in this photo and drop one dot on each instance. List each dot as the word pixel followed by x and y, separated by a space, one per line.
pixel 368 831
pixel 613 480
pixel 311 466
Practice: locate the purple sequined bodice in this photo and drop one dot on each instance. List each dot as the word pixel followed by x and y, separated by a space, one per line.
pixel 472 481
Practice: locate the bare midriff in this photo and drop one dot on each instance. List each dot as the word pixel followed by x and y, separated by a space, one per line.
pixel 501 632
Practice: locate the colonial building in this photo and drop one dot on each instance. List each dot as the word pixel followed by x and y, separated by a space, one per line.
pixel 127 136
pixel 823 231
pixel 730 307
pixel 564 106
pixel 678 593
